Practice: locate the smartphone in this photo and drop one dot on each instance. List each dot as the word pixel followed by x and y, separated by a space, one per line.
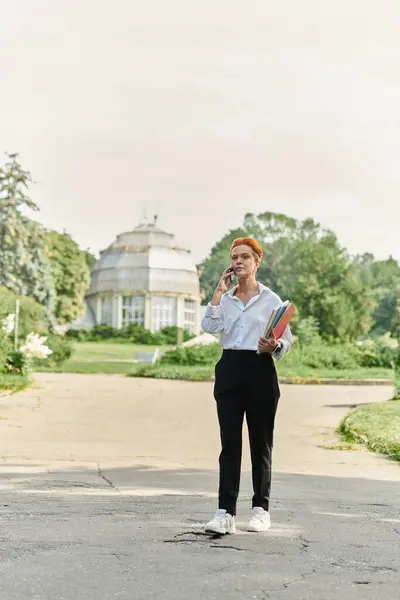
pixel 231 277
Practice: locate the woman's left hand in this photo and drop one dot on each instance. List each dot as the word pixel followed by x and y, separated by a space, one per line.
pixel 267 344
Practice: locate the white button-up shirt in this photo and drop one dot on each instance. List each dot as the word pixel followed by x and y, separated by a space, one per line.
pixel 240 327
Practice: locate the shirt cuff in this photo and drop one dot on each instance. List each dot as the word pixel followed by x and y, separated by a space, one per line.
pixel 215 312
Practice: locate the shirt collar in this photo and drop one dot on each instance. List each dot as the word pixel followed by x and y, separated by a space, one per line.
pixel 262 288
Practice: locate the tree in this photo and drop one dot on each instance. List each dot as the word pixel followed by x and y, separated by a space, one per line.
pixel 71 275
pixel 317 276
pixel 276 232
pixel 90 258
pixel 306 264
pixel 32 316
pixel 212 267
pixel 24 267
pixel 383 277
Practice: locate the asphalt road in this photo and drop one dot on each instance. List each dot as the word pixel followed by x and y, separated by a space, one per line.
pixel 106 482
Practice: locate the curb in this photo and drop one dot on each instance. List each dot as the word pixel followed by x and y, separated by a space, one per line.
pixel 326 381
pixel 288 380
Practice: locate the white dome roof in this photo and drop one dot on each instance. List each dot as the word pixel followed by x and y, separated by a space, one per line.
pixel 145 260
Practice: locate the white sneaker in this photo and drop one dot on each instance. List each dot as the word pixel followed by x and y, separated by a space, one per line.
pixel 222 523
pixel 260 520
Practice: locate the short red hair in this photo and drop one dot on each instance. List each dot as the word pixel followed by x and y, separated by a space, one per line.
pixel 246 241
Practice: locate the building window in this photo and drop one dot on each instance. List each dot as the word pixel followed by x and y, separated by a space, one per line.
pixel 133 308
pixel 106 311
pixel 190 316
pixel 163 312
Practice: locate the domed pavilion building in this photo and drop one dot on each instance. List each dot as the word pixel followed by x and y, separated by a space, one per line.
pixel 144 277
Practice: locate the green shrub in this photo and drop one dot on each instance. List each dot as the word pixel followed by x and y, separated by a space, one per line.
pixel 377 353
pixel 207 354
pixel 170 334
pixel 77 334
pixel 101 332
pixel 32 316
pixel 312 351
pixel 146 337
pixel 61 347
pixel 134 333
pixel 323 355
pixel 117 340
pixel 15 362
pixel 307 331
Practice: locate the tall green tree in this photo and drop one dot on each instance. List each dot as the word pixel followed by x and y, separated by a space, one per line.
pixel 383 277
pixel 213 266
pixel 306 264
pixel 70 273
pixel 317 276
pixel 90 258
pixel 24 267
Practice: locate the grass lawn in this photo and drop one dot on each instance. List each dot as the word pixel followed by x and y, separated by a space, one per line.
pixel 99 351
pixel 113 357
pixel 101 357
pixel 376 425
pixel 78 366
pixel 357 373
pixel 182 372
pixel 13 383
pixel 299 375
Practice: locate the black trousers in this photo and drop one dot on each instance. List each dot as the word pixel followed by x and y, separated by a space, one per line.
pixel 246 383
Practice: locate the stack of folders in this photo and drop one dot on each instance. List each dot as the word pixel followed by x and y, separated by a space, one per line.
pixel 279 320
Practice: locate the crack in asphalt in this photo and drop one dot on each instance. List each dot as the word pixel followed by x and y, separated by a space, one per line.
pixel 229 548
pixel 110 483
pixel 351 564
pixel 200 534
pixel 198 537
pixel 305 544
pixel 302 578
pixel 217 546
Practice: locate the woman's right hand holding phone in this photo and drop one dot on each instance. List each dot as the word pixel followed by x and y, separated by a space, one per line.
pixel 223 286
pixel 225 281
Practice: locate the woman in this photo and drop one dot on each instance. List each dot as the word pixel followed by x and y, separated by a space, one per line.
pixel 245 383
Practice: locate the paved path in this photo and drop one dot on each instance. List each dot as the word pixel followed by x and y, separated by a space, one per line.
pixel 107 480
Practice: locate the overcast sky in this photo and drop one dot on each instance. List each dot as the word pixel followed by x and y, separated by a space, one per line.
pixel 203 110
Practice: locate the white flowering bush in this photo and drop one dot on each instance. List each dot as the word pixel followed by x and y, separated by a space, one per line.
pixel 36 351
pixel 21 360
pixel 35 347
pixel 13 360
pixel 8 324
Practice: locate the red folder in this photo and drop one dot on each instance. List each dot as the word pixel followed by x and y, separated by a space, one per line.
pixel 284 321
